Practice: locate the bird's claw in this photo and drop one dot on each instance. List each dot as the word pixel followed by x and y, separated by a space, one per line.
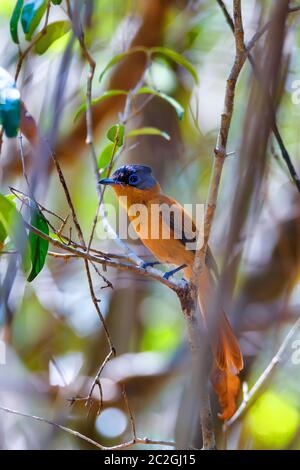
pixel 149 264
pixel 168 274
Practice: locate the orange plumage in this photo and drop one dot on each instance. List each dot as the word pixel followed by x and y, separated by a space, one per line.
pixel 138 185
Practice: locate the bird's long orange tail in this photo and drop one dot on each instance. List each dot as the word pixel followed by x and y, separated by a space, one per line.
pixel 228 359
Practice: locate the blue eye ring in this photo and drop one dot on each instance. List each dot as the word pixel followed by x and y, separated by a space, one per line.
pixel 133 179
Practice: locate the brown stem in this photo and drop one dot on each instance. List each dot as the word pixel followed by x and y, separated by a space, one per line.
pixel 123 445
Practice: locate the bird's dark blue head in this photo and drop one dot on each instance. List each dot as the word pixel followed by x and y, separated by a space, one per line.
pixel 136 176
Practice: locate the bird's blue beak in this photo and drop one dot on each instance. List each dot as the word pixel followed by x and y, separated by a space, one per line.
pixel 107 181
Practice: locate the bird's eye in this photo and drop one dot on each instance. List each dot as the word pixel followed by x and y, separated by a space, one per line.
pixel 133 179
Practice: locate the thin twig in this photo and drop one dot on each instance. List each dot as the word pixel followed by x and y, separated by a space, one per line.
pixel 124 119
pixel 23 161
pixel 96 381
pixel 132 422
pixel 124 445
pixel 108 283
pixel 178 286
pixel 69 199
pixel 96 305
pixel 86 262
pixel 226 14
pixel 294 9
pixel 89 114
pixel 18 192
pixel 43 31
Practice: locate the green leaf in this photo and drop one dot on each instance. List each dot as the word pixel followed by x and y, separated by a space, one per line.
pixel 31 16
pixel 107 94
pixel 14 226
pixel 116 134
pixel 10 104
pixel 149 131
pixel 59 238
pixel 3 235
pixel 56 2
pixel 178 58
pixel 14 21
pixel 105 156
pixel 178 108
pixel 11 197
pixel 53 32
pixel 121 56
pixel 38 246
pixel 175 56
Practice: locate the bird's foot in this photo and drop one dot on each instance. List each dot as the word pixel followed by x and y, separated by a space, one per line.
pixel 149 264
pixel 168 274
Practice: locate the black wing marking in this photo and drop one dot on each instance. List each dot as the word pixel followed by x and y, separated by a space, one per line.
pixel 209 258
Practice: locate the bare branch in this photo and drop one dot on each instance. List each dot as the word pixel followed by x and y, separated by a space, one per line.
pixel 23 55
pixel 294 9
pixel 132 422
pixel 86 264
pixel 124 445
pixel 221 147
pixel 199 261
pixel 177 286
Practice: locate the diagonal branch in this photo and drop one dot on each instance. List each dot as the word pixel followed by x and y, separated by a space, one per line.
pixel 123 445
pixel 23 55
pixel 86 263
pixel 179 287
pixel 226 117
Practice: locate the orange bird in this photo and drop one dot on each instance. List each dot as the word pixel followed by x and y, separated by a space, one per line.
pixel 168 235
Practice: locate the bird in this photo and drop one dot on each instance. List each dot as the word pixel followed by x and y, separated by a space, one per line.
pixel 136 187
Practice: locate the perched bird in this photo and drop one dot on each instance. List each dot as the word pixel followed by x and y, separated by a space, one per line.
pixel 136 187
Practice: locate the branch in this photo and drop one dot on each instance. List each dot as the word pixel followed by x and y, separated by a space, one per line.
pixel 294 9
pixel 112 349
pixel 221 147
pixel 199 261
pixel 124 445
pixel 96 382
pixel 177 286
pixel 81 238
pixel 124 119
pixel 226 14
pixel 78 32
pixel 23 55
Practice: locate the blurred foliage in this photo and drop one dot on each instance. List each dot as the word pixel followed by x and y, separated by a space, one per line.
pixel 273 421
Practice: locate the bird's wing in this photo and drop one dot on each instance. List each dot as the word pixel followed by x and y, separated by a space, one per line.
pixel 185 230
pixel 179 221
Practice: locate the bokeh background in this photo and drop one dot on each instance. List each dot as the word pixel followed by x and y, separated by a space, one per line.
pixel 53 337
